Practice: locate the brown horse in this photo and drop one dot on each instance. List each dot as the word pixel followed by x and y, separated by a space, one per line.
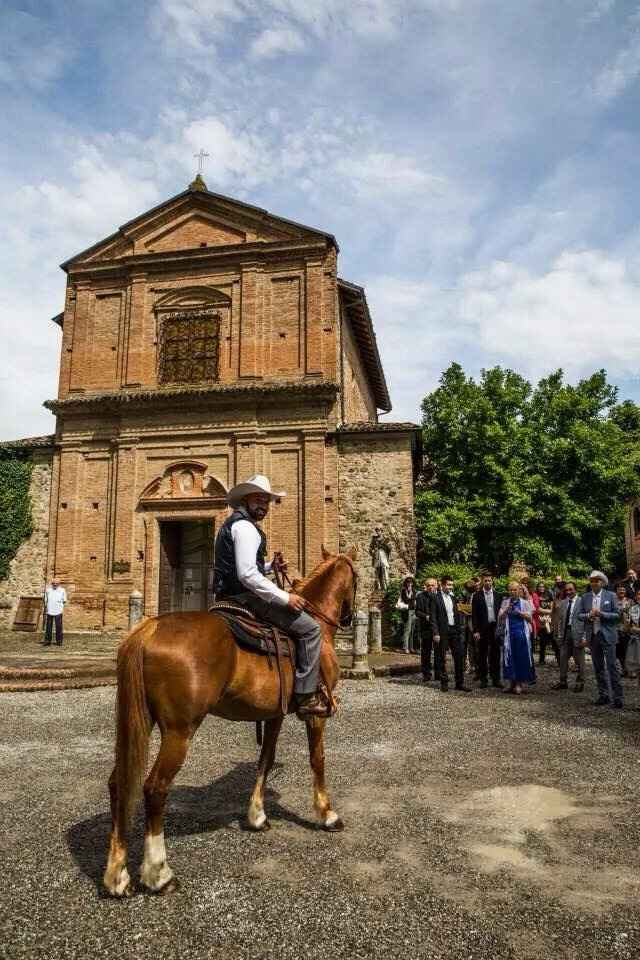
pixel 175 669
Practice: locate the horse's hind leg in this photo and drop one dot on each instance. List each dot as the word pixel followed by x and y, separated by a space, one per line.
pixel 116 878
pixel 256 815
pixel 329 819
pixel 155 873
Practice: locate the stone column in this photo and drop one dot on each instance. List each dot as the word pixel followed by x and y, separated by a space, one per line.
pixel 135 608
pixel 375 630
pixel 360 663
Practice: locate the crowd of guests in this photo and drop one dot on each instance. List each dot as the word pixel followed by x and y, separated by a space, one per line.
pixel 496 636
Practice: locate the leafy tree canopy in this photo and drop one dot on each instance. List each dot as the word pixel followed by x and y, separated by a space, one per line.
pixel 536 474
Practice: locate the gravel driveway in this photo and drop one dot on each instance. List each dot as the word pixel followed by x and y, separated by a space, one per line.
pixel 478 826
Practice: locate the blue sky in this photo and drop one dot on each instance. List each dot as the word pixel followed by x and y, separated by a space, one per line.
pixel 478 161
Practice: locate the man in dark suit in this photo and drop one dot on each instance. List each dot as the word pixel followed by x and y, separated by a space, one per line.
pixel 447 634
pixel 631 584
pixel 569 636
pixel 425 627
pixel 485 606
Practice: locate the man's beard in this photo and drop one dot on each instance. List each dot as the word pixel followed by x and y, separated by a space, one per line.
pixel 257 513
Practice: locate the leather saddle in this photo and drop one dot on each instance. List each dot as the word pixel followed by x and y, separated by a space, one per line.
pixel 259 637
pixel 253 634
pixel 263 638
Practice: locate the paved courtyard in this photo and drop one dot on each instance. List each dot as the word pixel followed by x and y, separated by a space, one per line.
pixel 478 826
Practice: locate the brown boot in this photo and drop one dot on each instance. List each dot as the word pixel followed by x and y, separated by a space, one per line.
pixel 310 705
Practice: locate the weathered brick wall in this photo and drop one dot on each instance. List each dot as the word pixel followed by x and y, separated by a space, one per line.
pixel 26 576
pixel 359 402
pixel 275 322
pixel 376 490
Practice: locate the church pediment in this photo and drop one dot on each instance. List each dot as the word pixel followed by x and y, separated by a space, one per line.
pixel 184 480
pixel 195 219
pixel 195 230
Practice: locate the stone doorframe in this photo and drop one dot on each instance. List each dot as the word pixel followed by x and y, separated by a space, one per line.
pixel 212 509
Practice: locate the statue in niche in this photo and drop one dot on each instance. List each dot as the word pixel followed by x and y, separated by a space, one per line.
pixel 380 551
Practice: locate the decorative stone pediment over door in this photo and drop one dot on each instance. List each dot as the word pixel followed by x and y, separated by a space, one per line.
pixel 185 483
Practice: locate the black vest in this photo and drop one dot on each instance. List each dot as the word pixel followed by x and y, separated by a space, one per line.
pixel 225 578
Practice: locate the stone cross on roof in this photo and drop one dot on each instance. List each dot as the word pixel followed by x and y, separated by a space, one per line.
pixel 200 157
pixel 198 183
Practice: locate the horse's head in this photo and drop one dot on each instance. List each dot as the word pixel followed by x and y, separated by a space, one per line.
pixel 344 564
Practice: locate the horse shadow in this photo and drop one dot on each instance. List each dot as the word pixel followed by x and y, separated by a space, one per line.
pixel 190 810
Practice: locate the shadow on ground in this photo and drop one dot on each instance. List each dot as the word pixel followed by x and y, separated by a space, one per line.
pixel 190 810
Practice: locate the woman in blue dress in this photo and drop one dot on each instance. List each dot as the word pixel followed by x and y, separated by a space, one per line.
pixel 515 619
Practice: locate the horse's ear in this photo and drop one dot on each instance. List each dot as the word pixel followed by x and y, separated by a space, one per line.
pixel 353 553
pixel 325 552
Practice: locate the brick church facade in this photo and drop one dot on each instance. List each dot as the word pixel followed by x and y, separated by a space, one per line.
pixel 204 341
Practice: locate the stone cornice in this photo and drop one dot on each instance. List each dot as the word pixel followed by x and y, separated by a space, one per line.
pixel 200 396
pixel 368 426
pixel 29 443
pixel 150 263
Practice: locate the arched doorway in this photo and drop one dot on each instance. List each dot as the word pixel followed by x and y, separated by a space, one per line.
pixel 183 509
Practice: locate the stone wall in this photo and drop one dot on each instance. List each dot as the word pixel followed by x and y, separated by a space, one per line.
pixel 375 479
pixel 26 576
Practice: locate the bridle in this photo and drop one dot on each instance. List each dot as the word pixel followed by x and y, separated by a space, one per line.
pixel 282 578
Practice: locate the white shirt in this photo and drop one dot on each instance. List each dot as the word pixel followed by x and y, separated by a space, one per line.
pixel 491 610
pixel 55 600
pixel 595 600
pixel 448 605
pixel 246 542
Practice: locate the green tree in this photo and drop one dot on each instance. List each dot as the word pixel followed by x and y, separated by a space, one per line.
pixel 15 506
pixel 539 474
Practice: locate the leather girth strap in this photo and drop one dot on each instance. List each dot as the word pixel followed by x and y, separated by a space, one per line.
pixel 278 639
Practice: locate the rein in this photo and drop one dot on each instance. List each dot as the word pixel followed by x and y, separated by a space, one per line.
pixel 282 578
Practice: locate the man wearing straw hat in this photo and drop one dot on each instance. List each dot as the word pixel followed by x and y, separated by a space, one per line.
pixel 240 575
pixel 598 611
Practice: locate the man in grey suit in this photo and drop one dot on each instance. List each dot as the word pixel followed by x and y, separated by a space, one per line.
pixel 569 633
pixel 598 611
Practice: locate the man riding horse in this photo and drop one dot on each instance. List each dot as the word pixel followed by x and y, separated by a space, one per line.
pixel 240 576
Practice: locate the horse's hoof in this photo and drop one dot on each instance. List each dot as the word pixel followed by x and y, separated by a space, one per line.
pixel 335 826
pixel 170 887
pixel 260 828
pixel 125 894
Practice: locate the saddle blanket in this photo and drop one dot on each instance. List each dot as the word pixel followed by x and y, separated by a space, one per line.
pixel 252 634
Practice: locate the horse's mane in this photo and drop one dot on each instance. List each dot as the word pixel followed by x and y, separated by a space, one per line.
pixel 319 572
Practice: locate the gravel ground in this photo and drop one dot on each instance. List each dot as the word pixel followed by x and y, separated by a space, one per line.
pixel 477 826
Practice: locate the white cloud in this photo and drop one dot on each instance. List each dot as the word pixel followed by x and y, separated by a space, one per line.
pixel 389 173
pixel 31 58
pixel 580 314
pixel 276 40
pixel 598 10
pixel 617 76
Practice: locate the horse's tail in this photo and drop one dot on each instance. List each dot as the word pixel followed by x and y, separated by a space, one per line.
pixel 133 726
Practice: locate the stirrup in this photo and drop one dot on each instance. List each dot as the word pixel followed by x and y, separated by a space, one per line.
pixel 311 705
pixel 322 703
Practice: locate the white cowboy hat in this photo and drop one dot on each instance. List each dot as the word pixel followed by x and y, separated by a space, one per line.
pixel 255 484
pixel 599 575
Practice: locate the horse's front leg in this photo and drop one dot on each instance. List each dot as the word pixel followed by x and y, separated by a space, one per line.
pixel 155 873
pixel 256 816
pixel 329 819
